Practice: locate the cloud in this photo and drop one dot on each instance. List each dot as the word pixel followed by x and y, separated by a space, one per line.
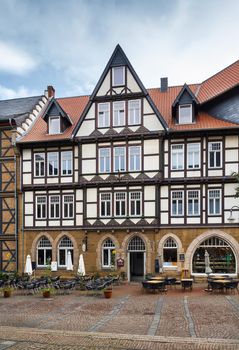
pixel 22 91
pixel 14 60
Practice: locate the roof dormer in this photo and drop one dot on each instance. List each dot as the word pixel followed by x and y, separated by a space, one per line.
pixel 56 118
pixel 184 108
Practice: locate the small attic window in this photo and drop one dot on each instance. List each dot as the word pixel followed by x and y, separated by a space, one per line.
pixel 54 125
pixel 185 114
pixel 118 76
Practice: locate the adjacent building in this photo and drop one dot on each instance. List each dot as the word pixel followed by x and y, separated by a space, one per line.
pixel 138 180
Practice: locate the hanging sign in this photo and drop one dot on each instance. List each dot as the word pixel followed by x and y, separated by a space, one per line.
pixel 120 262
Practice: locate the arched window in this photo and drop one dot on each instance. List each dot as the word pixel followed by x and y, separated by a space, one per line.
pixel 108 253
pixel 64 247
pixel 44 252
pixel 136 244
pixel 221 257
pixel 170 252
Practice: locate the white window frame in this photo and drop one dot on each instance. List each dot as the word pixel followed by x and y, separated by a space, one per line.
pixel 135 203
pixel 119 170
pixel 135 156
pixel 41 204
pixel 181 107
pixel 68 205
pixel 177 200
pixel 193 203
pixel 54 205
pixel 109 249
pixel 193 165
pixel 68 163
pixel 104 120
pixel 117 114
pixel 39 162
pixel 59 125
pixel 214 151
pixel 134 120
pixel 48 163
pixel 104 160
pixel 120 200
pixel 214 202
pixel 44 248
pixel 106 201
pixel 177 152
pixel 113 76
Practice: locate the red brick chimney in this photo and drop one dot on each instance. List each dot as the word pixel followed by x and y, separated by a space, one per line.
pixel 50 91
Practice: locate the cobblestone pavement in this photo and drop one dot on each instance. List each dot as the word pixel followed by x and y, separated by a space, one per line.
pixel 130 320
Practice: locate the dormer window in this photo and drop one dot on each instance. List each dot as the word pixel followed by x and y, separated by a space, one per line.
pixel 118 76
pixel 54 125
pixel 185 114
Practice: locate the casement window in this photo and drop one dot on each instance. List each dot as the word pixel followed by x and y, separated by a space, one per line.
pixel 215 154
pixel 54 125
pixel 44 252
pixel 53 164
pixel 185 114
pixel 134 158
pixel 108 254
pixel 193 203
pixel 118 76
pixel 39 164
pixel 103 115
pixel 134 107
pixel 54 207
pixel 64 247
pixel 177 157
pixel 177 203
pixel 41 203
pixel 104 160
pixel 66 163
pixel 193 155
pixel 214 202
pixel 170 253
pixel 120 204
pixel 68 206
pixel 119 159
pixel 119 113
pixel 135 203
pixel 105 204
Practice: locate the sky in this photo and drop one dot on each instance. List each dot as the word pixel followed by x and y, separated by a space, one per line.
pixel 67 43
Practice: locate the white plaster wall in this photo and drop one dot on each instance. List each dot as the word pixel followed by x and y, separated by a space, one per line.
pixel 177 221
pixel 164 191
pixel 52 180
pixel 67 222
pixel 27 178
pixel 177 174
pixel 214 172
pixel 26 154
pixel 149 209
pixel 79 207
pixel 231 155
pixel 193 173
pixel 54 222
pixel 27 166
pixel 79 195
pixel 230 168
pixel 229 189
pixel 192 220
pixel 88 166
pixel 87 127
pixel 40 223
pixel 131 83
pixel 66 179
pixel 214 220
pixel 28 197
pixel 105 86
pixel 151 163
pixel 91 210
pixel 91 195
pixel 91 112
pixel 151 146
pixel 29 208
pixel 89 150
pixel 164 218
pixel 38 181
pixel 79 220
pixel 149 193
pixel 152 122
pixel 164 204
pixel 28 221
pixel 231 141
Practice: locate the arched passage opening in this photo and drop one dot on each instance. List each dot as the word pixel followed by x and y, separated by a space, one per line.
pixel 136 258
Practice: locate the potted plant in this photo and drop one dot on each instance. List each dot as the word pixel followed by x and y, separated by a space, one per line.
pixel 108 292
pixel 7 291
pixel 46 292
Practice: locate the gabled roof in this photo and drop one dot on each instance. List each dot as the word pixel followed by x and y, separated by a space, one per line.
pixel 54 104
pixel 18 107
pixel 219 83
pixel 184 89
pixel 119 58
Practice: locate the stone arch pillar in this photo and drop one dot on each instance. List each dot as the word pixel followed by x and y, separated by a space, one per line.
pixel 197 241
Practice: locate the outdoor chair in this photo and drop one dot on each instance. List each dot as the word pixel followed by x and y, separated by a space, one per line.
pixel 232 287
pixel 216 287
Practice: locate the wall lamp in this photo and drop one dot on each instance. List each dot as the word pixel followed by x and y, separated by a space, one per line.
pixel 231 217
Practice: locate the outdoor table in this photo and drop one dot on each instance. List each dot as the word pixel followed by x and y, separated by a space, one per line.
pixel 156 278
pixel 153 285
pixel 187 283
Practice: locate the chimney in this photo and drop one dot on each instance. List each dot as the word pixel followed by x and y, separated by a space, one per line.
pixel 50 91
pixel 164 84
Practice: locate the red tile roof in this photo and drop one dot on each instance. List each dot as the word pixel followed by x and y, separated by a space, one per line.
pixel 210 88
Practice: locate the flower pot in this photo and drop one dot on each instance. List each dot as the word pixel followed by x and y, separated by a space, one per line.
pixel 6 293
pixel 108 293
pixel 46 294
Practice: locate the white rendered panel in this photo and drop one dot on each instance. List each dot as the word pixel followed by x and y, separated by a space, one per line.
pixel 151 163
pixel 164 191
pixel 131 83
pixel 86 128
pixel 231 155
pixel 79 207
pixel 149 209
pixel 152 123
pixel 29 208
pixel 91 195
pixel 149 193
pixel 147 108
pixel 91 210
pixel 40 223
pixel 66 179
pixel 67 222
pixel 164 218
pixel 26 154
pixel 28 197
pixel 105 86
pixel 27 166
pixel 214 220
pixel 88 166
pixel 54 222
pixel 192 220
pixel 151 146
pixel 38 181
pixel 214 172
pixel 231 141
pixel 52 180
pixel 164 204
pixel 29 221
pixel 89 150
pixel 79 220
pixel 230 168
pixel 79 195
pixel 195 173
pixel 177 174
pixel 27 179
pixel 177 221
pixel 91 112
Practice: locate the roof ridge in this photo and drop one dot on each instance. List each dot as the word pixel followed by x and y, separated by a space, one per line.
pixel 22 98
pixel 220 71
pixel 61 98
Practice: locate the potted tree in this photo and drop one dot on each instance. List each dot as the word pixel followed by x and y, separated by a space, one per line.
pixel 7 291
pixel 108 292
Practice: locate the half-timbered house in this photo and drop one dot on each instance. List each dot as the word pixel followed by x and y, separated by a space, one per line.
pixel 137 179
